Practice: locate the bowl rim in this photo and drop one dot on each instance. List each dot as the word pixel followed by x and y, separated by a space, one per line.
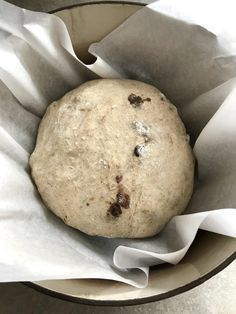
pixel 139 301
pixel 67 7
pixel 128 302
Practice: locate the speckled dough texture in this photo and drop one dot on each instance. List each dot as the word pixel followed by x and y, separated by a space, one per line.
pixel 113 159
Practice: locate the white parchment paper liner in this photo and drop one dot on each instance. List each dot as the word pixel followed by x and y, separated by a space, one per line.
pixel 185 48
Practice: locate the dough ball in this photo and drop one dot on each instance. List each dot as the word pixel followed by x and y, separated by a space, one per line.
pixel 113 159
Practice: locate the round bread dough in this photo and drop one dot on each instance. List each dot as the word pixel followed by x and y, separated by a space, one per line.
pixel 113 159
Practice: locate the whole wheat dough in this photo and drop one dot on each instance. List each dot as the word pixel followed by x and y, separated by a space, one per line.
pixel 113 159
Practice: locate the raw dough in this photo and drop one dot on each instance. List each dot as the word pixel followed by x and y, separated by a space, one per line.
pixel 113 159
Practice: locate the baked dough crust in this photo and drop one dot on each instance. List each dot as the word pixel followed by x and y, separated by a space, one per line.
pixel 113 159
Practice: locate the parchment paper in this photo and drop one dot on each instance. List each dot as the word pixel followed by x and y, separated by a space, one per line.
pixel 185 48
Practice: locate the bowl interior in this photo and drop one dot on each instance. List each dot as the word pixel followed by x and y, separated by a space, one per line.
pixel 209 253
pixel 90 23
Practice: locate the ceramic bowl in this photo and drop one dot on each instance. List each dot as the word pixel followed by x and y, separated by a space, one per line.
pixel 210 252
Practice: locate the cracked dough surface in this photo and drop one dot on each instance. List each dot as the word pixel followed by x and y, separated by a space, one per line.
pixel 112 159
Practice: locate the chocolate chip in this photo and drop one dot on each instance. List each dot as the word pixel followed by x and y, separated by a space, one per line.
pixel 119 178
pixel 138 150
pixel 114 210
pixel 135 101
pixel 87 204
pixel 123 199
